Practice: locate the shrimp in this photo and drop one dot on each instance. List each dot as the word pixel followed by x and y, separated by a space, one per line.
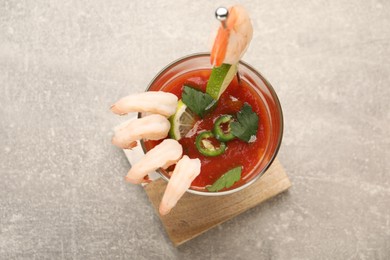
pixel 163 155
pixel 184 173
pixel 233 37
pixel 152 127
pixel 158 102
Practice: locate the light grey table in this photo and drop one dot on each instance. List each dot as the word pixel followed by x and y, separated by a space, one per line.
pixel 62 63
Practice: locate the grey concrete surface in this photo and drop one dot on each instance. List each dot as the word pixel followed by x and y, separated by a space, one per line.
pixel 62 63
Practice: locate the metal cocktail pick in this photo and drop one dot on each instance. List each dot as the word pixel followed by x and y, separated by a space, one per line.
pixel 222 14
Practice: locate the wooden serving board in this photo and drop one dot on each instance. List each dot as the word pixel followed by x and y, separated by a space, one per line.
pixel 190 217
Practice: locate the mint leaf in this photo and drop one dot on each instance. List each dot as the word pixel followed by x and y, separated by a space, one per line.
pixel 227 180
pixel 246 125
pixel 197 101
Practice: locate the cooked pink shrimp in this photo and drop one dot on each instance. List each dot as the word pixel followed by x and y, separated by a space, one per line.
pixel 185 172
pixel 158 102
pixel 232 39
pixel 161 156
pixel 152 127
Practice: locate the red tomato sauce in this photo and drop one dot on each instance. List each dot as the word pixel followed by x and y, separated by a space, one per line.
pixel 238 152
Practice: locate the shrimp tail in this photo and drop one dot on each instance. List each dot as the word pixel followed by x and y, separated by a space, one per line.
pixel 116 110
pixel 218 51
pixel 130 145
pixel 186 170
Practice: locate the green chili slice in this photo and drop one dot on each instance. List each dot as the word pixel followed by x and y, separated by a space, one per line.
pixel 205 146
pixel 218 130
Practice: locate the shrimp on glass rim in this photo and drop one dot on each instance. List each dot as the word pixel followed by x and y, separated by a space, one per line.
pixel 163 155
pixel 157 102
pixel 233 37
pixel 151 127
pixel 186 170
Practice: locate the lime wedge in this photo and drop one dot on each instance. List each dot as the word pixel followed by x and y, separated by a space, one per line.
pixel 220 79
pixel 181 122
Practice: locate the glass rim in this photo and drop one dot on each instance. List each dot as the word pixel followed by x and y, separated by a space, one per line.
pixel 274 97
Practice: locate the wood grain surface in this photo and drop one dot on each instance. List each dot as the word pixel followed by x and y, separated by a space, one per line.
pixel 193 216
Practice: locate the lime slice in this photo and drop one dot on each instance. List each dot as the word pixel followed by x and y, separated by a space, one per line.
pixel 181 122
pixel 220 79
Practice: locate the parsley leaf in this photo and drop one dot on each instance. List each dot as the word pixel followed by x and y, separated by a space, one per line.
pixel 246 126
pixel 197 101
pixel 227 180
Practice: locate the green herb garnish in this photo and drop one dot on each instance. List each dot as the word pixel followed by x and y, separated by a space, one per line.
pixel 227 180
pixel 197 101
pixel 246 125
